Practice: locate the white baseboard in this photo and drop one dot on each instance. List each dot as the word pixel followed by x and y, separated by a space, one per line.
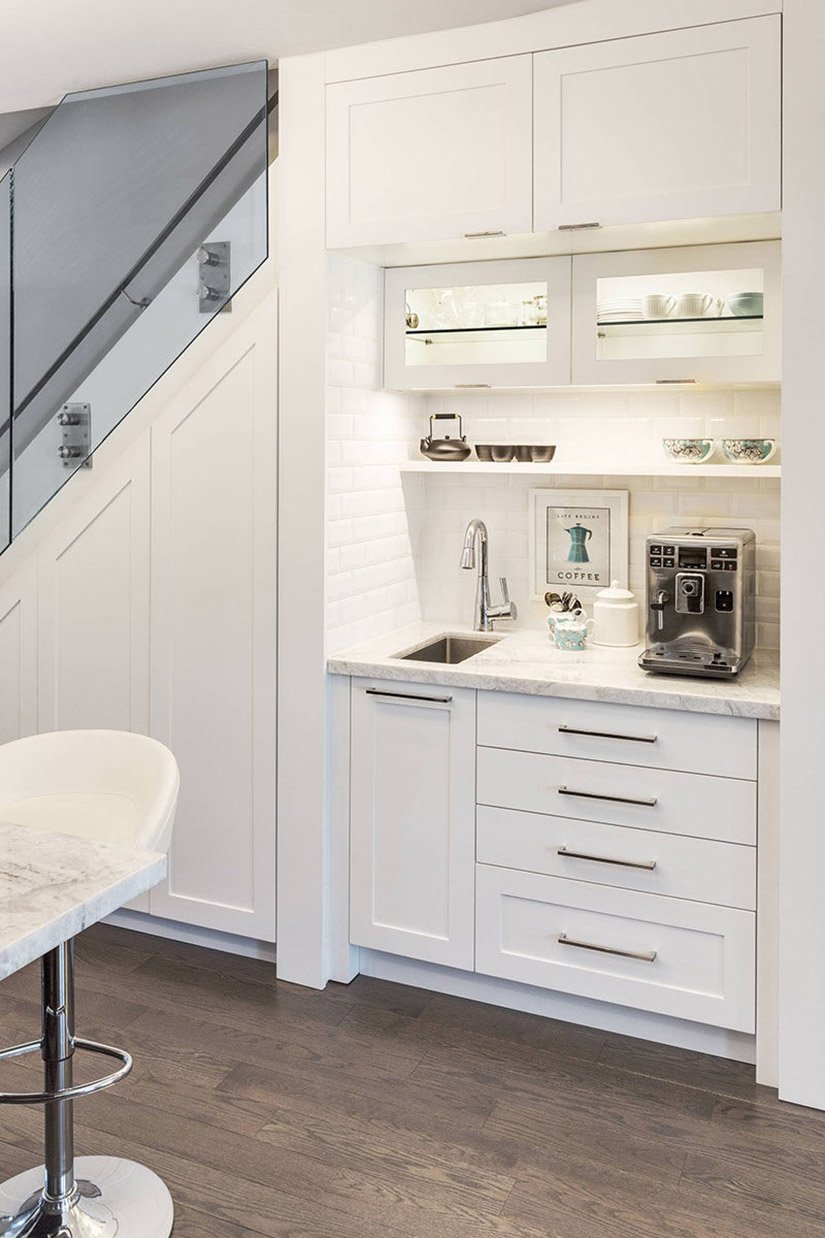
pixel 569 1009
pixel 229 943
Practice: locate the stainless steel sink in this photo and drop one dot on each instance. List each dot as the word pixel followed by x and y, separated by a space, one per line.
pixel 449 650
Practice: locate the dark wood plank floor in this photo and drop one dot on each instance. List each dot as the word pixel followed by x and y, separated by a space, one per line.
pixel 378 1111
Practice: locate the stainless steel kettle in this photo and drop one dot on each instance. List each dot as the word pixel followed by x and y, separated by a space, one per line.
pixel 445 448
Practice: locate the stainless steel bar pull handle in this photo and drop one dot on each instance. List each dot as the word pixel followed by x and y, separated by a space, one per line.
pixel 644 956
pixel 633 739
pixel 579 227
pixel 612 799
pixel 647 865
pixel 480 236
pixel 409 696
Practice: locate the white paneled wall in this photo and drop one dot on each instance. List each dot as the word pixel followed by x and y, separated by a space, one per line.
pixel 371 580
pixel 601 427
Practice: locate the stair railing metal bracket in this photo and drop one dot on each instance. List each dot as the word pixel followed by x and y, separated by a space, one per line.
pixel 215 278
pixel 75 421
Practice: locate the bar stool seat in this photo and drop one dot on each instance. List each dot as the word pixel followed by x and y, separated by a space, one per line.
pixel 116 787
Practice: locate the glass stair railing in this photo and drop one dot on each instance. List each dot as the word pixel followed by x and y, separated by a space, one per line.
pixel 128 222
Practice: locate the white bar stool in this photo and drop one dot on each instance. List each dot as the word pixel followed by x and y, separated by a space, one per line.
pixel 114 787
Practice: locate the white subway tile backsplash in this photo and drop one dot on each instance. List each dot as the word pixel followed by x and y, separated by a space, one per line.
pixel 394 542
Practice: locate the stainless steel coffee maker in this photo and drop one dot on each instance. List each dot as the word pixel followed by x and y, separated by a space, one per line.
pixel 701 601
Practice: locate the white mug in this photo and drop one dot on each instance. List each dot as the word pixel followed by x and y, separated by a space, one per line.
pixel 697 305
pixel 657 305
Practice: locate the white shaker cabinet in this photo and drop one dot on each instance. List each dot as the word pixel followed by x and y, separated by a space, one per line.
pixel 431 154
pixel 680 125
pixel 478 324
pixel 93 605
pixel 706 313
pixel 214 551
pixel 413 820
pixel 18 656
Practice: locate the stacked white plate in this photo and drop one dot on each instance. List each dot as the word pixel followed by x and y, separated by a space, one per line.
pixel 620 309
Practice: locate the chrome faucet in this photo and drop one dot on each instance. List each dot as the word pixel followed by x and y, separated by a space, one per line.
pixel 485 612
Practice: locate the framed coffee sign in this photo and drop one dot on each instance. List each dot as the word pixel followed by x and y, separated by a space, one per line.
pixel 578 540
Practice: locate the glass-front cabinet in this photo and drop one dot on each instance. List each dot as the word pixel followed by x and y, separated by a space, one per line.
pixel 706 313
pixel 478 324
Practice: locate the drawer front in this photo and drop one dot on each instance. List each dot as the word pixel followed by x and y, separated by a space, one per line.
pixel 650 799
pixel 625 734
pixel 687 960
pixel 669 864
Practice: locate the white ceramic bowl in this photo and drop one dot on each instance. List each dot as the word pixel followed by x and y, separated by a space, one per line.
pixel 688 450
pixel 748 450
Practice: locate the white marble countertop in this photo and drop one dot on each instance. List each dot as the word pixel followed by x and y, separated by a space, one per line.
pixel 525 661
pixel 53 886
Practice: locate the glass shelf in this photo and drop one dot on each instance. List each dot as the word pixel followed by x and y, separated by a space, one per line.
pixel 542 326
pixel 673 326
pixel 475 335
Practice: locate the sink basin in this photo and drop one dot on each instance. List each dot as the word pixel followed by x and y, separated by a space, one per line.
pixel 449 650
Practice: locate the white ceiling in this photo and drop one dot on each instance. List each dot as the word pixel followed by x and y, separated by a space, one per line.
pixel 48 47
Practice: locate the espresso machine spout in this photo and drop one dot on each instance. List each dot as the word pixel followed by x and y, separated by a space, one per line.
pixel 662 598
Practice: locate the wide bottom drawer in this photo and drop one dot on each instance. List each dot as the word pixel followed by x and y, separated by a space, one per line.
pixel 654 863
pixel 688 960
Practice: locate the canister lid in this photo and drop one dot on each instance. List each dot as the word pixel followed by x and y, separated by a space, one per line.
pixel 615 593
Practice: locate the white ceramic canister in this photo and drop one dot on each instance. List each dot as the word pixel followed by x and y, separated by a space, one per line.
pixel 616 613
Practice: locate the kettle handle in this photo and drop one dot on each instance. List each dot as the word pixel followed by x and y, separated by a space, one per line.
pixel 447 417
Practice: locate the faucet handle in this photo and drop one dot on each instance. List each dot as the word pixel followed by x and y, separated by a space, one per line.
pixel 508 609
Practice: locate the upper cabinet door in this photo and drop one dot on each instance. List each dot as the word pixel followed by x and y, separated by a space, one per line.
pixel 478 324
pixel 430 155
pixel 665 126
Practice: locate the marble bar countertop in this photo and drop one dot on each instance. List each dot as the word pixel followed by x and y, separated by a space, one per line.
pixel 525 661
pixel 53 886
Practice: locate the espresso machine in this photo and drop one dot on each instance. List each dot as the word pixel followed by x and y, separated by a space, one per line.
pixel 701 601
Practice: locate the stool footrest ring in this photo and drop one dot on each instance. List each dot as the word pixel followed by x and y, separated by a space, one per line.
pixel 79 1089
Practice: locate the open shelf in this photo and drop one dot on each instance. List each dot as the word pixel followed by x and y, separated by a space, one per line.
pixel 570 469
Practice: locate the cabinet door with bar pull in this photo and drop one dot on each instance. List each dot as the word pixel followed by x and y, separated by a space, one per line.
pixel 430 155
pixel 413 820
pixel 667 955
pixel 631 795
pixel 680 125
pixel 621 734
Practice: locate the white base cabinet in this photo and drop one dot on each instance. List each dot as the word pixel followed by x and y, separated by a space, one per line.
pixel 666 955
pixel 413 821
pixel 489 834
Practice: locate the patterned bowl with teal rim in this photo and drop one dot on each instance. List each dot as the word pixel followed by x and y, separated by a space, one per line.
pixel 748 450
pixel 688 450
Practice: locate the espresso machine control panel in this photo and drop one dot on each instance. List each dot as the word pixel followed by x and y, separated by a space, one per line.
pixel 700 601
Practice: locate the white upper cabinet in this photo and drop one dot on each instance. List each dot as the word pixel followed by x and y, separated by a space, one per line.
pixel 707 313
pixel 680 125
pixel 430 154
pixel 478 324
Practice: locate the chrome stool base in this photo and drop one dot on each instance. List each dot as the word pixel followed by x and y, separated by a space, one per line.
pixel 112 1197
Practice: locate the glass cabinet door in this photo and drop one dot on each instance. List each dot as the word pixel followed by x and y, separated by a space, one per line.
pixel 478 324
pixel 704 314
